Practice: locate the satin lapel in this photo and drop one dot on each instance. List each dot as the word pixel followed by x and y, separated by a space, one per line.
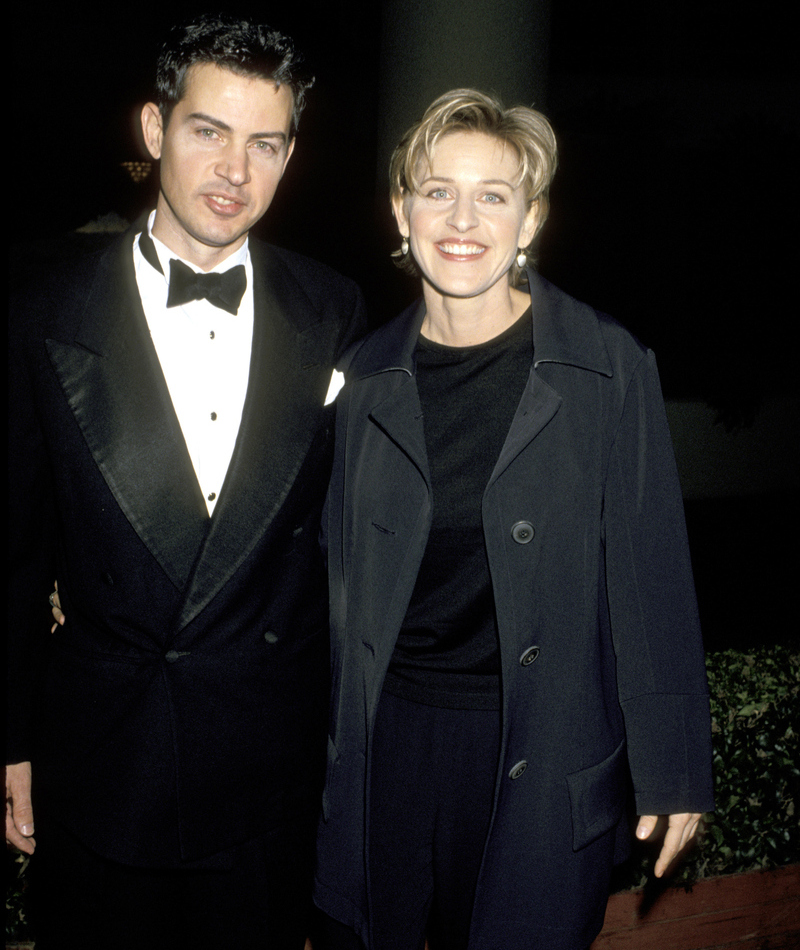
pixel 290 370
pixel 113 383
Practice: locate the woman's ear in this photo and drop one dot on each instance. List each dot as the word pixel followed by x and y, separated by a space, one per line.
pixel 530 225
pixel 399 212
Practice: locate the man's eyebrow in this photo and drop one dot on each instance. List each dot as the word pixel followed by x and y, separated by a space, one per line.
pixel 224 127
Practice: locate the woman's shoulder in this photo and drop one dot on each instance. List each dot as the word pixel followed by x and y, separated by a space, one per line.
pixel 389 346
pixel 571 326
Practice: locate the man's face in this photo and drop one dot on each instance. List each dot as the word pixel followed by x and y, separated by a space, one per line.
pixel 222 154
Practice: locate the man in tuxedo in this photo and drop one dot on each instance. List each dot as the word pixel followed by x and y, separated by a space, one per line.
pixel 170 450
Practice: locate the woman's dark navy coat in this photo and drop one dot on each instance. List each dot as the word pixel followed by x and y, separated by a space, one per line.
pixel 602 663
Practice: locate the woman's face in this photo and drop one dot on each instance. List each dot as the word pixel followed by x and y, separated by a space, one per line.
pixel 468 220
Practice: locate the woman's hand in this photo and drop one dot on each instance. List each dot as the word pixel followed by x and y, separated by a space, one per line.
pixel 681 828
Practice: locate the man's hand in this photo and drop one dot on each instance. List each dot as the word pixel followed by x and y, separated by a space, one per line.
pixel 19 813
pixel 681 828
pixel 55 603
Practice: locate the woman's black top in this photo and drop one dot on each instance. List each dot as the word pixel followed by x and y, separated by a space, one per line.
pixel 447 651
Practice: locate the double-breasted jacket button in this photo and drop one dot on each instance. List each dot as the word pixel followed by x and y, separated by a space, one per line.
pixel 529 656
pixel 522 532
pixel 518 769
pixel 174 655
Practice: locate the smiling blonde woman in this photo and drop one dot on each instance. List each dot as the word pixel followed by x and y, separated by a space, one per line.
pixel 514 627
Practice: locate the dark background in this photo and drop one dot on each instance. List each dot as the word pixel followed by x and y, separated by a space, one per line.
pixel 674 209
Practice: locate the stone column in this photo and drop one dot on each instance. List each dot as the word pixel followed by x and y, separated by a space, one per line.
pixel 430 46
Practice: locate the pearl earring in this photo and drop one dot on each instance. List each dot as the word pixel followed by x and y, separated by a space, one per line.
pixel 522 260
pixel 404 246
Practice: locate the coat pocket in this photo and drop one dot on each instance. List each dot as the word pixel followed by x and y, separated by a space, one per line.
pixel 597 798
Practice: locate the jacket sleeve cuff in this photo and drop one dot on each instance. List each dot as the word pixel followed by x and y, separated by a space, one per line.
pixel 669 753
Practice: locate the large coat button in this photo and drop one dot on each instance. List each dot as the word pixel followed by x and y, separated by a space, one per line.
pixel 522 532
pixel 529 656
pixel 518 769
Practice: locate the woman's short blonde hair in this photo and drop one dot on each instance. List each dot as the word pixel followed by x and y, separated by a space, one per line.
pixel 467 110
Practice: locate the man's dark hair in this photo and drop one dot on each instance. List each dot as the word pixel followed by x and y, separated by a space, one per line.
pixel 244 47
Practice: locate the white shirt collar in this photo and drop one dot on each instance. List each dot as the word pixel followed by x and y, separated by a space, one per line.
pixel 165 255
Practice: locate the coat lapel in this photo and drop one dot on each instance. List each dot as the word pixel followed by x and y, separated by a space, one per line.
pixel 112 379
pixel 538 405
pixel 564 331
pixel 290 371
pixel 400 417
pixel 388 355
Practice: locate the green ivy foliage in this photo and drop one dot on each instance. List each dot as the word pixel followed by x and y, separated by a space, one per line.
pixel 17 928
pixel 755 723
pixel 755 709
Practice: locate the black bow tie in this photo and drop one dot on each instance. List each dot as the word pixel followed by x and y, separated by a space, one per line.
pixel 223 290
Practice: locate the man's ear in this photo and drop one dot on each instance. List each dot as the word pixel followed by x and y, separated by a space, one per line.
pixel 152 129
pixel 289 150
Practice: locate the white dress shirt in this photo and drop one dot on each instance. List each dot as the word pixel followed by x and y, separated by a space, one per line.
pixel 205 357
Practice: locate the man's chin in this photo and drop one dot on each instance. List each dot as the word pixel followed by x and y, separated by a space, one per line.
pixel 216 241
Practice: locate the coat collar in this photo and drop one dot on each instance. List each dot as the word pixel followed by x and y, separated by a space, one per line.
pixel 564 331
pixel 391 347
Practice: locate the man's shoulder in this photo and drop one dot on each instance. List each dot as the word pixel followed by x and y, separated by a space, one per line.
pixel 56 278
pixel 309 291
pixel 316 279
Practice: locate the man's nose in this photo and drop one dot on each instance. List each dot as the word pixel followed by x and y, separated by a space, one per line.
pixel 234 166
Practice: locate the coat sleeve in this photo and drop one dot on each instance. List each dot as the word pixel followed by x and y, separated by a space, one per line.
pixel 32 529
pixel 652 610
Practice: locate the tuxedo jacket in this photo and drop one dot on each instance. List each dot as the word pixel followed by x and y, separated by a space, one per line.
pixel 181 708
